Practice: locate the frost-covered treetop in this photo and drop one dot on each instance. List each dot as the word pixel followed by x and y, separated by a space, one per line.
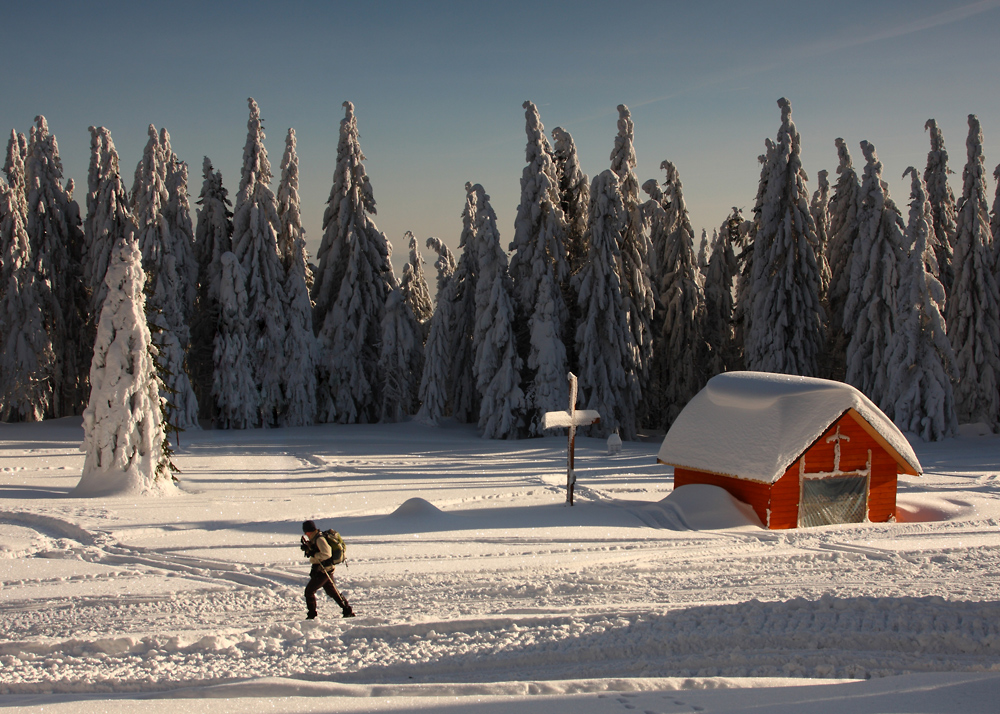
pixel 844 156
pixel 538 144
pixel 256 167
pixel 623 159
pixel 974 173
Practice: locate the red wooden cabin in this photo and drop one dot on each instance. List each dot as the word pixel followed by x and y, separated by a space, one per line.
pixel 800 451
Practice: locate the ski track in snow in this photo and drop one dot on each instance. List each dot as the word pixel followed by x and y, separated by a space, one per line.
pixel 487 579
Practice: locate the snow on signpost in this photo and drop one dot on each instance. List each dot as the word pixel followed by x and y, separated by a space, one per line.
pixel 571 419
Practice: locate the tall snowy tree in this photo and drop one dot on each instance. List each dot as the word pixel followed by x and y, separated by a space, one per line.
pixel 27 359
pixel 574 197
pixel 414 286
pixel 164 286
pixel 634 248
pixel 124 436
pixel 842 232
pixel 921 362
pixel 14 169
pixel 679 349
pixel 234 386
pixel 434 382
pixel 942 200
pixel 56 240
pixel 465 396
pixel 720 283
pixel 995 221
pixel 603 338
pixel 870 309
pixel 213 238
pixel 401 358
pixel 497 367
pixel 301 349
pixel 255 243
pixel 350 289
pixel 820 210
pixel 785 331
pixel 973 312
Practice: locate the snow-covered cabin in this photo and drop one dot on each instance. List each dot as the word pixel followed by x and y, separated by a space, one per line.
pixel 801 451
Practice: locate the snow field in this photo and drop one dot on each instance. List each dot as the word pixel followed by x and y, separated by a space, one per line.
pixel 466 568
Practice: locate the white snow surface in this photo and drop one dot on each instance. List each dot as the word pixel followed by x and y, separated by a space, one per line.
pixel 477 589
pixel 756 424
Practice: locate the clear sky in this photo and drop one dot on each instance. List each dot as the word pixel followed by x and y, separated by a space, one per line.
pixel 438 88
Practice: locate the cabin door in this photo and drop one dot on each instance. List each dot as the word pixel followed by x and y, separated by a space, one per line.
pixel 834 496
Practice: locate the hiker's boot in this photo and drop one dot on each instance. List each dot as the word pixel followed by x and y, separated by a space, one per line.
pixel 311 615
pixel 348 611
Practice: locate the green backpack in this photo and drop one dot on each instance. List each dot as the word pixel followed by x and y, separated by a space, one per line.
pixel 338 547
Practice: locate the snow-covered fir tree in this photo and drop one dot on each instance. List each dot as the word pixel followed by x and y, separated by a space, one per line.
pixel 177 211
pixel 603 338
pixel 465 396
pixel 637 291
pixel 720 282
pixel 14 170
pixel 350 289
pixel 680 353
pixel 213 238
pixel 165 288
pixel 942 200
pixel 234 385
pixel 785 329
pixel 820 210
pixel 995 221
pixel 842 232
pixel 401 359
pixel 301 348
pixel 56 239
pixel 574 197
pixel 870 309
pixel 497 367
pixel 921 362
pixel 27 359
pixel 973 312
pixel 255 243
pixel 414 286
pixel 124 436
pixel 434 386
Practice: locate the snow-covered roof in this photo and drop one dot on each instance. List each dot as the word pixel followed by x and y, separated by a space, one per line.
pixel 755 425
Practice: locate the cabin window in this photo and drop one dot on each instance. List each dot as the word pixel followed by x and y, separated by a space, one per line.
pixel 834 499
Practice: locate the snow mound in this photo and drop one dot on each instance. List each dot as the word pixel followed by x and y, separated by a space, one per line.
pixel 418 508
pixel 925 508
pixel 973 430
pixel 699 507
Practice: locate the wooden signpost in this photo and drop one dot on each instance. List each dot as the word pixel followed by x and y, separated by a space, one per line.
pixel 571 419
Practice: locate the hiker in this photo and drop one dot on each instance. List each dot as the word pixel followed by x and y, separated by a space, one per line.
pixel 317 548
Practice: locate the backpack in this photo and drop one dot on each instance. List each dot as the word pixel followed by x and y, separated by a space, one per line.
pixel 338 547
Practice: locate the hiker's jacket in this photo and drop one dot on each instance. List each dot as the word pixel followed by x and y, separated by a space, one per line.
pixel 323 551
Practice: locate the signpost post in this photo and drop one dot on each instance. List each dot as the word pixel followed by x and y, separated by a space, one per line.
pixel 571 419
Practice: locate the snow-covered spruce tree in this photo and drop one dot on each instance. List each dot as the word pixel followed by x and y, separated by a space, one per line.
pixel 255 243
pixel 177 211
pixel 14 170
pixel 574 197
pixel 995 218
pixel 124 435
pixel 820 210
pixel 720 280
pixel 414 286
pixel 785 333
pixel 497 366
pixel 603 339
pixel 301 348
pixel 680 353
pixel 434 384
pixel 870 309
pixel 234 386
pixel 164 287
pixel 350 289
pixel 213 237
pixel 842 232
pixel 27 359
pixel 637 290
pixel 921 361
pixel 56 239
pixel 973 312
pixel 401 358
pixel 942 200
pixel 465 397
pixel 743 311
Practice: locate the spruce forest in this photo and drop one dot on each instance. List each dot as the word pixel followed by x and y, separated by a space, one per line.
pixel 146 319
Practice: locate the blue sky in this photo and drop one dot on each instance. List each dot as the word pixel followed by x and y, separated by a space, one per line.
pixel 438 88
